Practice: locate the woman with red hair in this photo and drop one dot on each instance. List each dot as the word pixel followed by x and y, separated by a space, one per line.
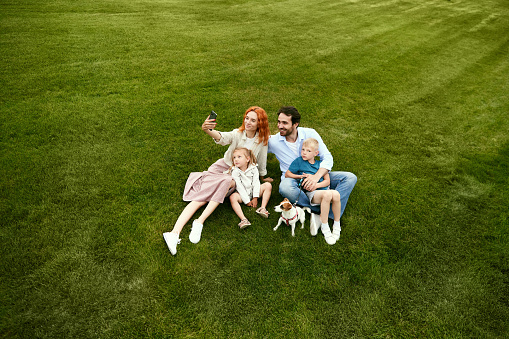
pixel 212 186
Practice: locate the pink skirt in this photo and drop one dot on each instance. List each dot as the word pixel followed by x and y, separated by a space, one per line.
pixel 210 185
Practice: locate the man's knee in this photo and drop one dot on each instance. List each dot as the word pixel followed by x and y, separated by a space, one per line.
pixel 352 178
pixel 286 187
pixel 342 179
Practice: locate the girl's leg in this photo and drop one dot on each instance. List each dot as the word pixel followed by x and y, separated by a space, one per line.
pixel 186 215
pixel 235 200
pixel 265 191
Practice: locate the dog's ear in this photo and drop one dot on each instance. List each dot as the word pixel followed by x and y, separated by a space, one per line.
pixel 286 205
pixel 286 200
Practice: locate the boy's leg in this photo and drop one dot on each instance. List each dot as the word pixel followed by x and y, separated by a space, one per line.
pixel 343 182
pixel 336 205
pixel 323 197
pixel 235 199
pixel 336 209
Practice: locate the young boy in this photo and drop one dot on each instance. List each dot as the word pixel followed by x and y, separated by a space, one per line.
pixel 306 165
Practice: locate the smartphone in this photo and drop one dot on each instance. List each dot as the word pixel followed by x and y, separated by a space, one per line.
pixel 213 115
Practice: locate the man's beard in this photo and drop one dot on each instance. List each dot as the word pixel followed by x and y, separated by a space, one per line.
pixel 285 132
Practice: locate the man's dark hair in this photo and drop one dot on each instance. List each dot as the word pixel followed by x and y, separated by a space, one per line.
pixel 290 111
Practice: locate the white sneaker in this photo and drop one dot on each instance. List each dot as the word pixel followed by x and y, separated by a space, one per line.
pixel 336 232
pixel 327 234
pixel 172 240
pixel 195 234
pixel 314 223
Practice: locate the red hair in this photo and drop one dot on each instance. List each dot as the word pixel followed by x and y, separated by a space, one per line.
pixel 263 124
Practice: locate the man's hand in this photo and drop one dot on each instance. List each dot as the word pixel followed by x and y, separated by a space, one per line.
pixel 253 203
pixel 309 183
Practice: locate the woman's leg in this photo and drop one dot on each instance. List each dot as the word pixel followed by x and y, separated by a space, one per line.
pixel 211 206
pixel 186 215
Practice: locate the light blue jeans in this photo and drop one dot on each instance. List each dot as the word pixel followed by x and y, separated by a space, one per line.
pixel 343 182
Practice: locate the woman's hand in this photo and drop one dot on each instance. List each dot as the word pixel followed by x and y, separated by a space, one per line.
pixel 208 127
pixel 208 124
pixel 268 179
pixel 253 203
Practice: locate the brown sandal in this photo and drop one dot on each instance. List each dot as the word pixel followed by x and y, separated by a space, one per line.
pixel 244 223
pixel 262 212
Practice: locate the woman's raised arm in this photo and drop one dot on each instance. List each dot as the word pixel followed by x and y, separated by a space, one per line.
pixel 208 127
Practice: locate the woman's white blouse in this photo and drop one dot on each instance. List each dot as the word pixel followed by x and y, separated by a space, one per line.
pixel 238 139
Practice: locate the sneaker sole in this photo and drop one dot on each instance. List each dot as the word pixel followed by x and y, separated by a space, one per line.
pixel 165 235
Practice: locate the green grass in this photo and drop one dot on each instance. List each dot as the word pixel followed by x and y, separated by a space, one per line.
pixel 101 107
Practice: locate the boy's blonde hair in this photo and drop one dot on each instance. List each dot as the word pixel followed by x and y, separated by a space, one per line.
pixel 311 142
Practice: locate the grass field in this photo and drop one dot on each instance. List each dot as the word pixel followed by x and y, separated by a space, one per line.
pixel 101 107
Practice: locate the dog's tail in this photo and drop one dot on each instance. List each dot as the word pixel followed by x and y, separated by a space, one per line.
pixel 307 209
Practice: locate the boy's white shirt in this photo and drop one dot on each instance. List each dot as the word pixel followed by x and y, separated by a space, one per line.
pixel 247 183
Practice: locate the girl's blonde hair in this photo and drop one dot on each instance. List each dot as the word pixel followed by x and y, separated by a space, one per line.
pixel 247 152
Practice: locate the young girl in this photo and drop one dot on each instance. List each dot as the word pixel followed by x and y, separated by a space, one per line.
pixel 248 189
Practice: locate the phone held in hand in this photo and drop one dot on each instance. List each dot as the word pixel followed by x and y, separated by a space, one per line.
pixel 213 116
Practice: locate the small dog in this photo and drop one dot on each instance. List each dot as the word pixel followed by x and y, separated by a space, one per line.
pixel 290 214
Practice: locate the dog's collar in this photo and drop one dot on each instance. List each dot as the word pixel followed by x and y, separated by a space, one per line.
pixel 288 220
